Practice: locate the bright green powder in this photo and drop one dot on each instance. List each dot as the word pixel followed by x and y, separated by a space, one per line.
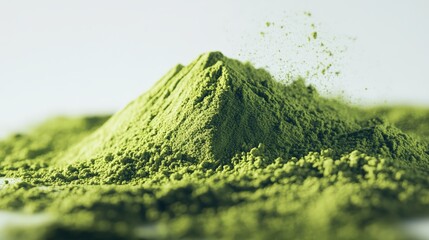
pixel 218 149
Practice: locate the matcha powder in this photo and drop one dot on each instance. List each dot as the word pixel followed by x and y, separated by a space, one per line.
pixel 220 150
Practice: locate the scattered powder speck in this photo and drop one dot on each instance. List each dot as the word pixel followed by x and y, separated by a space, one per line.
pixel 314 34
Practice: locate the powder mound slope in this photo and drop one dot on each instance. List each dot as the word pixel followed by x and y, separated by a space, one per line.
pixel 215 108
pixel 39 147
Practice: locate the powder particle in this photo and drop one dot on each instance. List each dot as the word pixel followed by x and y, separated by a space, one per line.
pixel 314 35
pixel 219 149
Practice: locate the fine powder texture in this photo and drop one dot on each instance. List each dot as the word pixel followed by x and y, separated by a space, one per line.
pixel 219 149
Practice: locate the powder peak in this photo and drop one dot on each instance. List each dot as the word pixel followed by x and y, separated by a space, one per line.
pixel 215 108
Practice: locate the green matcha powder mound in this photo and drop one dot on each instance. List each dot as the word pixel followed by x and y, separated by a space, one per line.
pixel 219 149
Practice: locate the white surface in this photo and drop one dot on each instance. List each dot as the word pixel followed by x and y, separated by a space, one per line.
pixel 70 57
pixel 10 181
pixel 21 222
pixel 418 228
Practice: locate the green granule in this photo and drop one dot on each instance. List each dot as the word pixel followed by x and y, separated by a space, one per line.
pixel 314 35
pixel 219 149
pixel 308 14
